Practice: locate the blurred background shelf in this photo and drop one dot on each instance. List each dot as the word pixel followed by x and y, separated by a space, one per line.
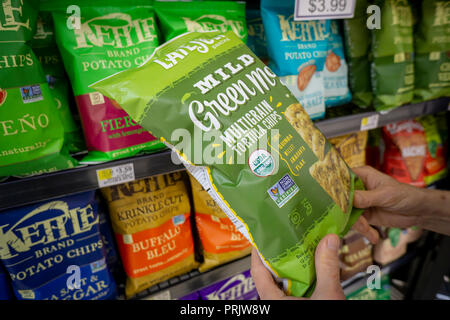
pixel 352 123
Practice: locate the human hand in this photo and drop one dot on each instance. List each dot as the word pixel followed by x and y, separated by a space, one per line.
pixel 387 202
pixel 328 285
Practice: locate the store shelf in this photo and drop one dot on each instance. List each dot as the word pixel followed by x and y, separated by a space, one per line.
pixel 52 185
pixel 178 287
pixel 348 124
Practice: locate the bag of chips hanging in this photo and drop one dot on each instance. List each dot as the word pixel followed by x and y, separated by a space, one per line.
pixel 249 142
pixel 31 132
pixel 109 36
pixel 220 241
pixel 53 250
pixel 405 152
pixel 178 17
pixel 392 68
pixel 44 46
pixel 297 52
pixel 335 73
pixel 151 222
pixel 432 51
pixel 355 255
pixel 357 40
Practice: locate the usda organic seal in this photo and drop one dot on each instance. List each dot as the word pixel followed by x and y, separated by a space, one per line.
pixel 261 163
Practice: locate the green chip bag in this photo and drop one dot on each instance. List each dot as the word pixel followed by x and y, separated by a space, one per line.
pixel 44 46
pixel 392 68
pixel 110 36
pixel 357 50
pixel 177 17
pixel 31 132
pixel 247 140
pixel 432 51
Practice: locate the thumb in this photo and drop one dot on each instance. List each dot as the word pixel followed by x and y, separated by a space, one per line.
pixel 328 284
pixel 367 198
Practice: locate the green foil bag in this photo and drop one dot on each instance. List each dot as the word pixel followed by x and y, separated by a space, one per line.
pixel 177 17
pixel 357 51
pixel 44 46
pixel 392 68
pixel 250 144
pixel 432 51
pixel 31 132
pixel 97 39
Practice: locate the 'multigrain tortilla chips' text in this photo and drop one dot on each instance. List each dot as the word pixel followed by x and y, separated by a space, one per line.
pixel 277 197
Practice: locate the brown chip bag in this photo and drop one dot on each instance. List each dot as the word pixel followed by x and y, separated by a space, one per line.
pixel 150 218
pixel 220 240
pixel 355 255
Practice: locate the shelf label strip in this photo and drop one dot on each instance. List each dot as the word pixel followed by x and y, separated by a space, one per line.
pixel 115 175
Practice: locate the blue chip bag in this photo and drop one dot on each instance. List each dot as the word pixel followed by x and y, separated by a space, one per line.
pixel 54 250
pixel 112 259
pixel 335 73
pixel 256 38
pixel 297 52
pixel 5 287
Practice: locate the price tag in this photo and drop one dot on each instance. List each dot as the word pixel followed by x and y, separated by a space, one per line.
pixel 115 175
pixel 323 9
pixel 370 122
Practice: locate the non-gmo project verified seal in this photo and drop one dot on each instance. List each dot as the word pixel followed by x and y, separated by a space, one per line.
pixel 31 93
pixel 283 190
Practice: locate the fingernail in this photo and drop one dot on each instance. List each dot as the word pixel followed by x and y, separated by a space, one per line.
pixel 333 243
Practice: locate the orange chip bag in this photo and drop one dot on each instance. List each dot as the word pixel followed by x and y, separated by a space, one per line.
pixel 405 153
pixel 220 240
pixel 151 222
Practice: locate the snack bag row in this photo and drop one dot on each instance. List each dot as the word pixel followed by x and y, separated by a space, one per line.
pixel 53 250
pixel 32 134
pixel 269 168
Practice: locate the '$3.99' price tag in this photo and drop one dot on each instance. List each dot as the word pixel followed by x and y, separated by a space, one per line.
pixel 115 175
pixel 323 9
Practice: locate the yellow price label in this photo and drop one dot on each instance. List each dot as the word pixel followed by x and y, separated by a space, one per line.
pixel 104 174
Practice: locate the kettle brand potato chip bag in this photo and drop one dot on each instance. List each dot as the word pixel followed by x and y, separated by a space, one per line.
pixel 297 52
pixel 335 73
pixel 177 17
pixel 44 46
pixel 151 222
pixel 392 68
pixel 31 133
pixel 42 244
pixel 283 197
pixel 220 240
pixel 432 51
pixel 113 35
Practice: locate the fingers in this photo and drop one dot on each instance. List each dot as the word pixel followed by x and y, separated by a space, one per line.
pixel 369 176
pixel 362 226
pixel 264 282
pixel 328 284
pixel 387 219
pixel 369 198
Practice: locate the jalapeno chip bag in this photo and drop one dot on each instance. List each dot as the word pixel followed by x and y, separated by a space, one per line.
pixel 263 161
pixel 112 35
pixel 31 131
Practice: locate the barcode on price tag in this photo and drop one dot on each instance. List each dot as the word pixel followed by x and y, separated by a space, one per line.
pixel 323 9
pixel 370 122
pixel 115 175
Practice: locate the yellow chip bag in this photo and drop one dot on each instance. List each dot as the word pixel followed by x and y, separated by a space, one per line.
pixel 352 147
